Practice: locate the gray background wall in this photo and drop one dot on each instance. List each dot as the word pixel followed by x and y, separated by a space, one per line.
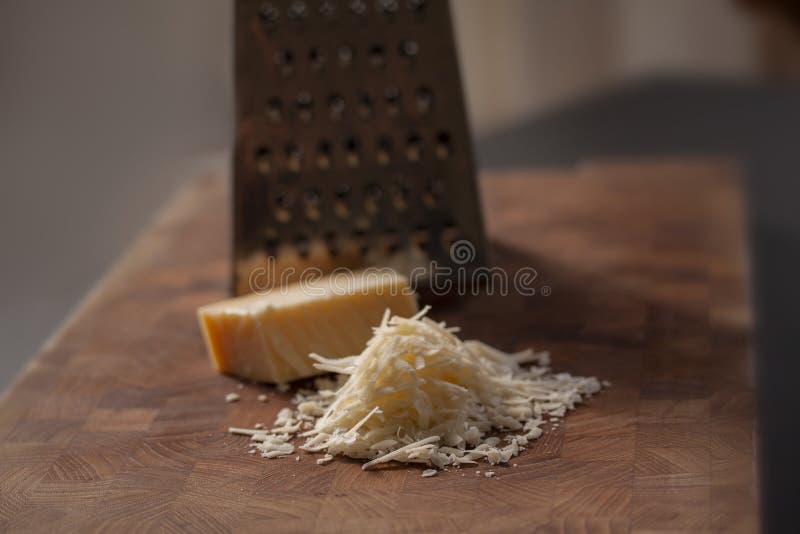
pixel 105 106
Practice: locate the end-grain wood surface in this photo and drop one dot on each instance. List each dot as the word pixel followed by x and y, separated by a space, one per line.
pixel 120 422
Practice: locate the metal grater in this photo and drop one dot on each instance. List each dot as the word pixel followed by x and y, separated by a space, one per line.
pixel 352 145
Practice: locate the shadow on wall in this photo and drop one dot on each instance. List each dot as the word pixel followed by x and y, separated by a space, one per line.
pixel 520 58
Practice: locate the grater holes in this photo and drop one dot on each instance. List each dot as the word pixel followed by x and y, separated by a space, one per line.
pixel 415 5
pixel 433 192
pixel 342 191
pixel 340 206
pixel 316 58
pixel 384 153
pixel 399 195
pixel 271 244
pixel 409 49
pixel 268 13
pixel 283 56
pixel 435 186
pixel 386 6
pixel 424 100
pixel 357 7
pixel 331 243
pixel 373 191
pixel 345 55
pixel 362 222
pixel 390 241
pixel 282 203
pixel 326 9
pixel 305 104
pixel 352 147
pixel 324 150
pixel 271 241
pixel 284 60
pixel 263 161
pixel 361 240
pixel 294 157
pixel 421 237
pixel 274 110
pixel 364 106
pixel 443 145
pixel 341 209
pixel 372 198
pixel 311 202
pixel 377 55
pixel 392 96
pixel 413 147
pixel 297 10
pixel 336 106
pixel 301 245
pixel 311 196
pixel 284 199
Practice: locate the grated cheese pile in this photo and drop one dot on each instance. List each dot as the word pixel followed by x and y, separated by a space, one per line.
pixel 419 394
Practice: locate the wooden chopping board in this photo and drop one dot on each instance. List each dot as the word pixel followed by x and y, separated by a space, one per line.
pixel 120 421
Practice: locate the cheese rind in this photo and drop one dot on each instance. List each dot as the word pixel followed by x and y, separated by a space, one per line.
pixel 268 338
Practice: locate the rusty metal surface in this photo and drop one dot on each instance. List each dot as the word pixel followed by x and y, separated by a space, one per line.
pixel 352 142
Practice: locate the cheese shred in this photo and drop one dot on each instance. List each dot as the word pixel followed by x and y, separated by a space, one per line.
pixel 419 394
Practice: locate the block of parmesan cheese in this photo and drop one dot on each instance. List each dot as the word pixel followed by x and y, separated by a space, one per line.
pixel 268 337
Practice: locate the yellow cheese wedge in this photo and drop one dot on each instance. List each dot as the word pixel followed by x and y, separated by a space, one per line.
pixel 268 337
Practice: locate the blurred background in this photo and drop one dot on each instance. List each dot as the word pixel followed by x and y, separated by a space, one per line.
pixel 106 106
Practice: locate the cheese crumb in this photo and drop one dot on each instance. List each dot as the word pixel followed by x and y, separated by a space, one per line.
pixel 419 394
pixel 429 473
pixel 232 397
pixel 262 398
pixel 489 474
pixel 325 459
pixel 297 458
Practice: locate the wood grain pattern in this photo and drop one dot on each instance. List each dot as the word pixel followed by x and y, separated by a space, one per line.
pixel 120 421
